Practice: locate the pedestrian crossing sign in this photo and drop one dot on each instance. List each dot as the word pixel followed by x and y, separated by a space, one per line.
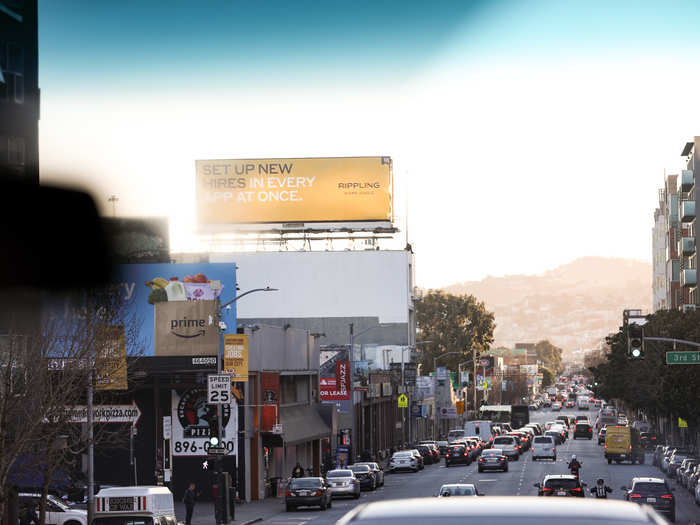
pixel 403 401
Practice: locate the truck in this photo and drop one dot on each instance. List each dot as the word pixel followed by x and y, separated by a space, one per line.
pixel 519 416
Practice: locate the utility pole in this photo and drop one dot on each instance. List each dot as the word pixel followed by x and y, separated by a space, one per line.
pixel 113 199
pixel 91 448
pixel 353 426
pixel 474 359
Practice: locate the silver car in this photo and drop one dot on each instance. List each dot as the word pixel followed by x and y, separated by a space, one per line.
pixel 544 447
pixel 458 489
pixel 342 482
pixel 404 460
pixel 509 446
pixel 500 511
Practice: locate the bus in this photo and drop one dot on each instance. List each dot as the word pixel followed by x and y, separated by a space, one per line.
pixel 495 413
pixel 519 416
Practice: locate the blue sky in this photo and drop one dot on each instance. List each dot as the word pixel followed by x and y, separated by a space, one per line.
pixel 536 129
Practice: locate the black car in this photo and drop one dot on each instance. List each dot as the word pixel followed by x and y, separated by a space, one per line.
pixel 457 454
pixel 649 440
pixel 583 430
pixel 428 457
pixel 566 485
pixel 308 492
pixel 654 492
pixel 493 459
pixel 366 476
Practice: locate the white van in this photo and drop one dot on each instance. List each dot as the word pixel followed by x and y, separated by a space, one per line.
pixel 134 506
pixel 481 429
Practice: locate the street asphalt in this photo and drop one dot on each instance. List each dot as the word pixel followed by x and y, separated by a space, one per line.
pixel 517 482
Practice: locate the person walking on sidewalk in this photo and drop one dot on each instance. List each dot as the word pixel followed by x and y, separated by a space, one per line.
pixel 298 471
pixel 189 500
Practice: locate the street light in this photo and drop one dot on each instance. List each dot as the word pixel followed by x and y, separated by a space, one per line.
pixel 437 411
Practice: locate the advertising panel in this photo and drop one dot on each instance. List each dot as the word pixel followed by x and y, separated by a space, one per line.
pixel 271 399
pixel 425 386
pixel 110 364
pixel 184 327
pixel 192 422
pixel 441 373
pixel 236 356
pixel 254 191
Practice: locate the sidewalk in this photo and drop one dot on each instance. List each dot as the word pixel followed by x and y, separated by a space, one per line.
pixel 246 513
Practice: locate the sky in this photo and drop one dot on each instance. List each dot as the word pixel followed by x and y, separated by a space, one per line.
pixel 523 134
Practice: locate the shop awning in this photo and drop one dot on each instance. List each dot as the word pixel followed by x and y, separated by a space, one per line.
pixel 302 423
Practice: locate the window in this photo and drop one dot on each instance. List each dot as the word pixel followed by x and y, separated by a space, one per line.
pixel 12 65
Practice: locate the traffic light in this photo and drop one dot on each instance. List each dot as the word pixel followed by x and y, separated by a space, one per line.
pixel 214 432
pixel 635 341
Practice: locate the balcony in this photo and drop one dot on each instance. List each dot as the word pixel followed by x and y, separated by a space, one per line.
pixel 687 180
pixel 688 245
pixel 687 211
pixel 689 277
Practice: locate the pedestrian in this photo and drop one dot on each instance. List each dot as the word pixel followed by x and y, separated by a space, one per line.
pixel 298 471
pixel 29 516
pixel 189 500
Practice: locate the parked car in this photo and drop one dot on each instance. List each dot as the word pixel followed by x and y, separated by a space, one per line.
pixel 308 492
pixel 57 512
pixel 366 476
pixel 493 459
pixel 342 482
pixel 654 492
pixel 566 485
pixel 378 472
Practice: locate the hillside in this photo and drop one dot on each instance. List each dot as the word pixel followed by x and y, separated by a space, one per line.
pixel 574 305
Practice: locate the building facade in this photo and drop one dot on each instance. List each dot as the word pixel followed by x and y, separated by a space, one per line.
pixel 19 90
pixel 688 240
pixel 658 241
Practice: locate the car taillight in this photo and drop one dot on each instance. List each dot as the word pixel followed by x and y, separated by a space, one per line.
pixel 490 439
pixel 667 496
pixel 465 454
pixel 547 489
pixel 630 447
pixel 635 495
pixel 576 490
pixel 501 459
pixel 317 493
pixel 590 430
pixel 288 493
pixel 481 460
pixel 605 446
pixel 554 449
pixel 447 455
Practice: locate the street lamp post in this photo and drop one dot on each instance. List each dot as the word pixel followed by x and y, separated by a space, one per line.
pixel 437 407
pixel 224 505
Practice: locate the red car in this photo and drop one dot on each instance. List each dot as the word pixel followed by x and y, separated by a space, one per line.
pixel 570 404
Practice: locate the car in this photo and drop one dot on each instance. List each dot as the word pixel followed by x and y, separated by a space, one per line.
pixel 378 472
pixel 581 419
pixel 419 457
pixel 649 440
pixel 561 485
pixel 473 448
pixel 565 420
pixel 434 449
pixel 601 435
pixel 657 455
pixel 675 462
pixel 479 443
pixel 556 435
pixel 458 489
pixel 556 406
pixel 536 427
pixel 570 404
pixel 654 492
pixel 442 447
pixel 583 430
pixel 499 510
pixel 563 431
pixel 427 454
pixel 457 454
pixel 308 492
pixel 493 459
pixel 57 512
pixel 684 470
pixel 404 460
pixel 544 447
pixel 521 440
pixel 366 476
pixel 342 482
pixel 508 445
pixel 693 478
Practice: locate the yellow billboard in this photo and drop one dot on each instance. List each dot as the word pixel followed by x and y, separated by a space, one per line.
pixel 250 191
pixel 236 356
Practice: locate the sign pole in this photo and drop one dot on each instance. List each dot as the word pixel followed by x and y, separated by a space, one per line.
pixel 91 450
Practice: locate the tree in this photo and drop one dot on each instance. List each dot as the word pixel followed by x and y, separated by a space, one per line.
pixel 44 371
pixel 550 355
pixel 547 377
pixel 453 323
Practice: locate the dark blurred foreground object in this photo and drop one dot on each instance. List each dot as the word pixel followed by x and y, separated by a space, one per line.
pixel 52 238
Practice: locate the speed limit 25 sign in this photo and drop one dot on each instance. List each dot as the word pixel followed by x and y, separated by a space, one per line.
pixel 219 389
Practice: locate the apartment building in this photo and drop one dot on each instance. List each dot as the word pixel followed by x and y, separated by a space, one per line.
pixel 688 241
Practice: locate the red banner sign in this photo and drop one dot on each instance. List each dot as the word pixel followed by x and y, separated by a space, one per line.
pixel 271 400
pixel 337 388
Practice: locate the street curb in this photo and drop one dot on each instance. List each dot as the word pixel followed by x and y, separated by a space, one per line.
pixel 255 520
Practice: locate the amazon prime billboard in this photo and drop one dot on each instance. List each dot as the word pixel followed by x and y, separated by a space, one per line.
pixel 175 305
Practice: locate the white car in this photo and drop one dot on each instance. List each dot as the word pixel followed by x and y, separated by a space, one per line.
pixel 556 406
pixel 403 460
pixel 544 447
pixel 697 494
pixel 57 512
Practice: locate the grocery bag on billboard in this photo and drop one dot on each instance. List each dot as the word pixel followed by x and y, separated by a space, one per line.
pixel 201 291
pixel 186 328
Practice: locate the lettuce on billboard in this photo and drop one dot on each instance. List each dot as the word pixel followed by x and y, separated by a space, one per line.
pixel 255 191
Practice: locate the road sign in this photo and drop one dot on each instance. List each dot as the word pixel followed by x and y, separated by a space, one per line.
pixel 218 389
pixel 683 358
pixel 403 401
pixel 277 428
pixel 105 413
pixel 448 412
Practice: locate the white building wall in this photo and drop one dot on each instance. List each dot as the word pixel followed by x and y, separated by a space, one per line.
pixel 325 284
pixel 659 262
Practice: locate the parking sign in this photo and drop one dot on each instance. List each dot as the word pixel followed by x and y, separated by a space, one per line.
pixel 219 389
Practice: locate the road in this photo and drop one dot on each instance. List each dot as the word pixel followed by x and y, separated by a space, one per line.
pixel 517 482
